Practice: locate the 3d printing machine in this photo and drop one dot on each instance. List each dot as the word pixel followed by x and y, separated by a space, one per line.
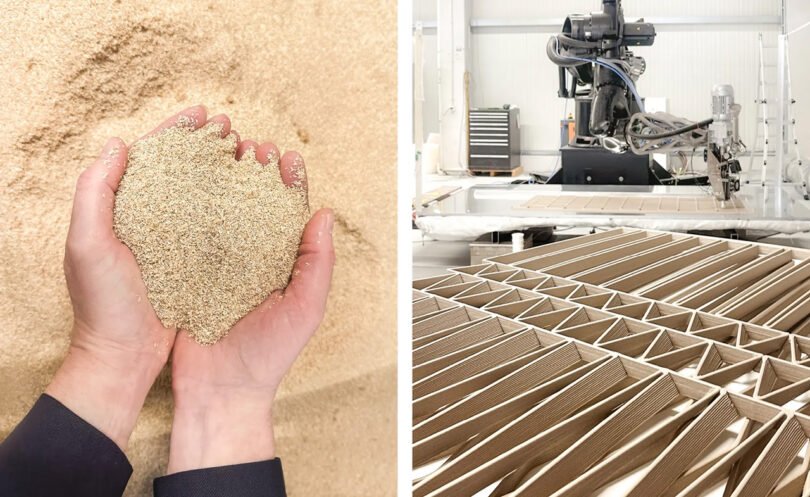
pixel 611 155
pixel 614 136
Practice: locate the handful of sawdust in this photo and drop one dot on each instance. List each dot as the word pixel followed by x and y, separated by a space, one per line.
pixel 213 236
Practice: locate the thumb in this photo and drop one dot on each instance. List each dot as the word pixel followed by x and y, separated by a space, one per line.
pixel 312 273
pixel 92 215
pixel 112 163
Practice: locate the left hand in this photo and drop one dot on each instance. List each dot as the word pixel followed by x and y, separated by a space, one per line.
pixel 118 345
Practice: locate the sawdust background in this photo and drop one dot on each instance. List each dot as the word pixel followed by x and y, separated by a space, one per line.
pixel 317 77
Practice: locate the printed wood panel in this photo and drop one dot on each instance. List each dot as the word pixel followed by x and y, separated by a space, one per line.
pixel 627 362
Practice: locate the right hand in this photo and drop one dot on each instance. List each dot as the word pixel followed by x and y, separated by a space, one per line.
pixel 224 393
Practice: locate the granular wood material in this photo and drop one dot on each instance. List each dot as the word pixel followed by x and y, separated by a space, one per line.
pixel 213 235
pixel 76 73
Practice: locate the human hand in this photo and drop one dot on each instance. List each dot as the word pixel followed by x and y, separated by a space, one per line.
pixel 118 345
pixel 223 393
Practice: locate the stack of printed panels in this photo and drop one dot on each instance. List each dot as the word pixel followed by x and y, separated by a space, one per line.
pixel 626 362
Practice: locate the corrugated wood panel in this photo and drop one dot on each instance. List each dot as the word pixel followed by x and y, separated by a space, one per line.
pixel 615 393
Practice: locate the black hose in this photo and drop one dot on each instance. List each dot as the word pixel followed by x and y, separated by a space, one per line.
pixel 573 42
pixel 551 51
pixel 673 132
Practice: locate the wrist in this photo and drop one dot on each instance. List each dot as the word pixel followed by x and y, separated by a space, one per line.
pixel 220 429
pixel 106 388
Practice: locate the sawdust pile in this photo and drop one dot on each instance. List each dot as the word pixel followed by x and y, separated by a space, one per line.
pixel 213 236
pixel 316 77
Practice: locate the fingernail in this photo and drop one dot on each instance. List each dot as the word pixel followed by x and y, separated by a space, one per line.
pixel 329 220
pixel 195 118
pixel 110 149
pixel 272 157
pixel 297 170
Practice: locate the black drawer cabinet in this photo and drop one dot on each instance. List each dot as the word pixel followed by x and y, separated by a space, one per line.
pixel 494 139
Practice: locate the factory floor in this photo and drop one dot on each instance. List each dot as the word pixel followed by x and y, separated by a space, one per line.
pixel 433 257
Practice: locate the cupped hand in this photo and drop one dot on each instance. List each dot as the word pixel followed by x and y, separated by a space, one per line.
pixel 224 392
pixel 118 345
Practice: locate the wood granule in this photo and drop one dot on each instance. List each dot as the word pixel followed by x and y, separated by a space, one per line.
pixel 78 72
pixel 213 236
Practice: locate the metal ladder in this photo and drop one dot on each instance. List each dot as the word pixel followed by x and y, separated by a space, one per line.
pixel 762 117
pixel 764 131
pixel 797 156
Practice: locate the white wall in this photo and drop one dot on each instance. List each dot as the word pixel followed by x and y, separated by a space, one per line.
pixel 509 65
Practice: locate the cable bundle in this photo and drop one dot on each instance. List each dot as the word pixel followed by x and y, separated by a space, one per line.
pixel 659 131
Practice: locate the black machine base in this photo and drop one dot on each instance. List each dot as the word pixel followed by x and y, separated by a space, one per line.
pixel 598 166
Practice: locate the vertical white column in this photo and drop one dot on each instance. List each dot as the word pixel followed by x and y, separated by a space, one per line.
pixel 418 102
pixel 782 110
pixel 453 30
pixel 782 114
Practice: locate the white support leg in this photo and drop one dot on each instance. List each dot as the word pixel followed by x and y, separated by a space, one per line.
pixel 782 109
pixel 418 102
pixel 453 29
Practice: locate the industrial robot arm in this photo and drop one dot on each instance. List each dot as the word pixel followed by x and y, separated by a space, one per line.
pixel 593 49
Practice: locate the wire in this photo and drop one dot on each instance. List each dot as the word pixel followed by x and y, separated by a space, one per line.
pixel 557 162
pixel 799 28
pixel 692 161
pixel 674 132
pixel 604 63
pixel 682 170
pixel 626 79
pixel 578 43
pixel 660 131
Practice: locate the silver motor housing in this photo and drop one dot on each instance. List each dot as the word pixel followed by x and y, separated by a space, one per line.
pixel 724 143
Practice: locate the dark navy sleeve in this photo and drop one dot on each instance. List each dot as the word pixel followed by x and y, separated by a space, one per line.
pixel 255 479
pixel 55 452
